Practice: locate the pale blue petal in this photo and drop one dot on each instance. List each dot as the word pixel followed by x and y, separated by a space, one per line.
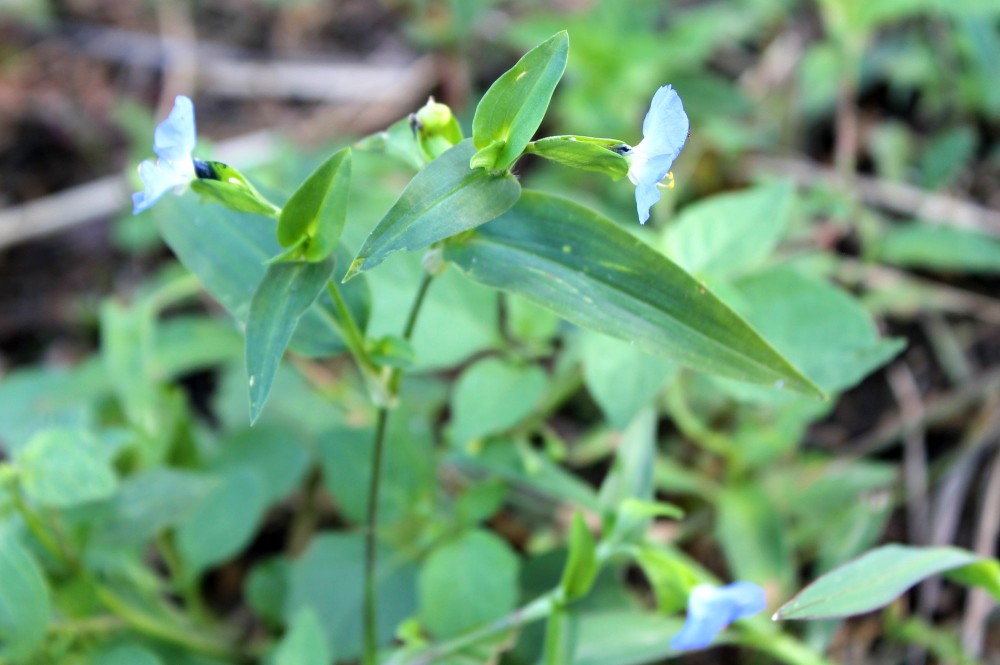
pixel 711 609
pixel 157 179
pixel 647 194
pixel 665 128
pixel 174 138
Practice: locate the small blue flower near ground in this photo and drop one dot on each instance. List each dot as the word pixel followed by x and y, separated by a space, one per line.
pixel 173 143
pixel 711 609
pixel 664 132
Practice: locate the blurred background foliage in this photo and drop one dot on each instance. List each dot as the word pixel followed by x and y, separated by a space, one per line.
pixel 839 189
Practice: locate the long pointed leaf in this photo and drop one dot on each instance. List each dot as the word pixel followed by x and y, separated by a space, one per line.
pixel 591 272
pixel 284 295
pixel 445 198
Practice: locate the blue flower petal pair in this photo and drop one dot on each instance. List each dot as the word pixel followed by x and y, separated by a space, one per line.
pixel 711 609
pixel 664 132
pixel 173 143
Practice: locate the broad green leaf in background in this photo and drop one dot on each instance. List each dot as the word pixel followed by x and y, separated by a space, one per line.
pixel 24 600
pixel 621 378
pixel 125 654
pixel 581 565
pixel 728 234
pixel 285 293
pixel 467 582
pixel 493 395
pixel 304 643
pixel 582 152
pixel 513 107
pixel 445 198
pixel 312 220
pixel 753 536
pixel 631 474
pixel 266 589
pixel 871 581
pixel 820 328
pixel 334 562
pixel 223 522
pixel 588 270
pixel 921 245
pixel 623 637
pixel 149 502
pixel 126 345
pixel 62 467
pixel 276 455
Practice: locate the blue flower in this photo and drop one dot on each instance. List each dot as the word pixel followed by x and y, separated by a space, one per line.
pixel 710 609
pixel 173 142
pixel 664 132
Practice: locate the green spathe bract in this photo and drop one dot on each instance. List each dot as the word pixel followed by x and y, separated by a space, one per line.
pixel 231 189
pixel 591 272
pixel 582 152
pixel 445 198
pixel 512 109
pixel 312 220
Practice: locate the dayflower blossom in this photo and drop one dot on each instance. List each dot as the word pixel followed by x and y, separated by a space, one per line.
pixel 711 609
pixel 664 132
pixel 173 142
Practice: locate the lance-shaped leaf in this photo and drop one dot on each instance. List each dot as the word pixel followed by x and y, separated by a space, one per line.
pixel 313 218
pixel 445 198
pixel 593 273
pixel 284 295
pixel 871 581
pixel 512 109
pixel 228 252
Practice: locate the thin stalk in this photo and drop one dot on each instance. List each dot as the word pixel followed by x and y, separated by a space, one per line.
pixel 370 610
pixel 352 335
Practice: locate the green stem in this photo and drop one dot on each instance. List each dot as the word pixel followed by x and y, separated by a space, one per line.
pixel 370 610
pixel 158 627
pixel 351 333
pixel 537 609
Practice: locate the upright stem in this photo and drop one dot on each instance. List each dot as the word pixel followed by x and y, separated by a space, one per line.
pixel 369 611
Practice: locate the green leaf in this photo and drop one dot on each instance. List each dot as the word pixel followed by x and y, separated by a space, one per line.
pixel 623 637
pixel 728 234
pixel 513 107
pixel 631 476
pixel 126 654
pixel 467 582
pixel 621 378
pixel 266 589
pixel 872 581
pixel 820 328
pixel 223 522
pixel 24 600
pixel 753 536
pixel 588 270
pixel 493 395
pixel 581 566
pixel 920 245
pixel 231 189
pixel 60 468
pixel 328 579
pixel 304 643
pixel 314 217
pixel 228 253
pixel 276 455
pixel 582 152
pixel 984 573
pixel 445 198
pixel 285 293
pixel 149 502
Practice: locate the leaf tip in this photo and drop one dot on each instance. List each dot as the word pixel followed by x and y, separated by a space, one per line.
pixel 357 265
